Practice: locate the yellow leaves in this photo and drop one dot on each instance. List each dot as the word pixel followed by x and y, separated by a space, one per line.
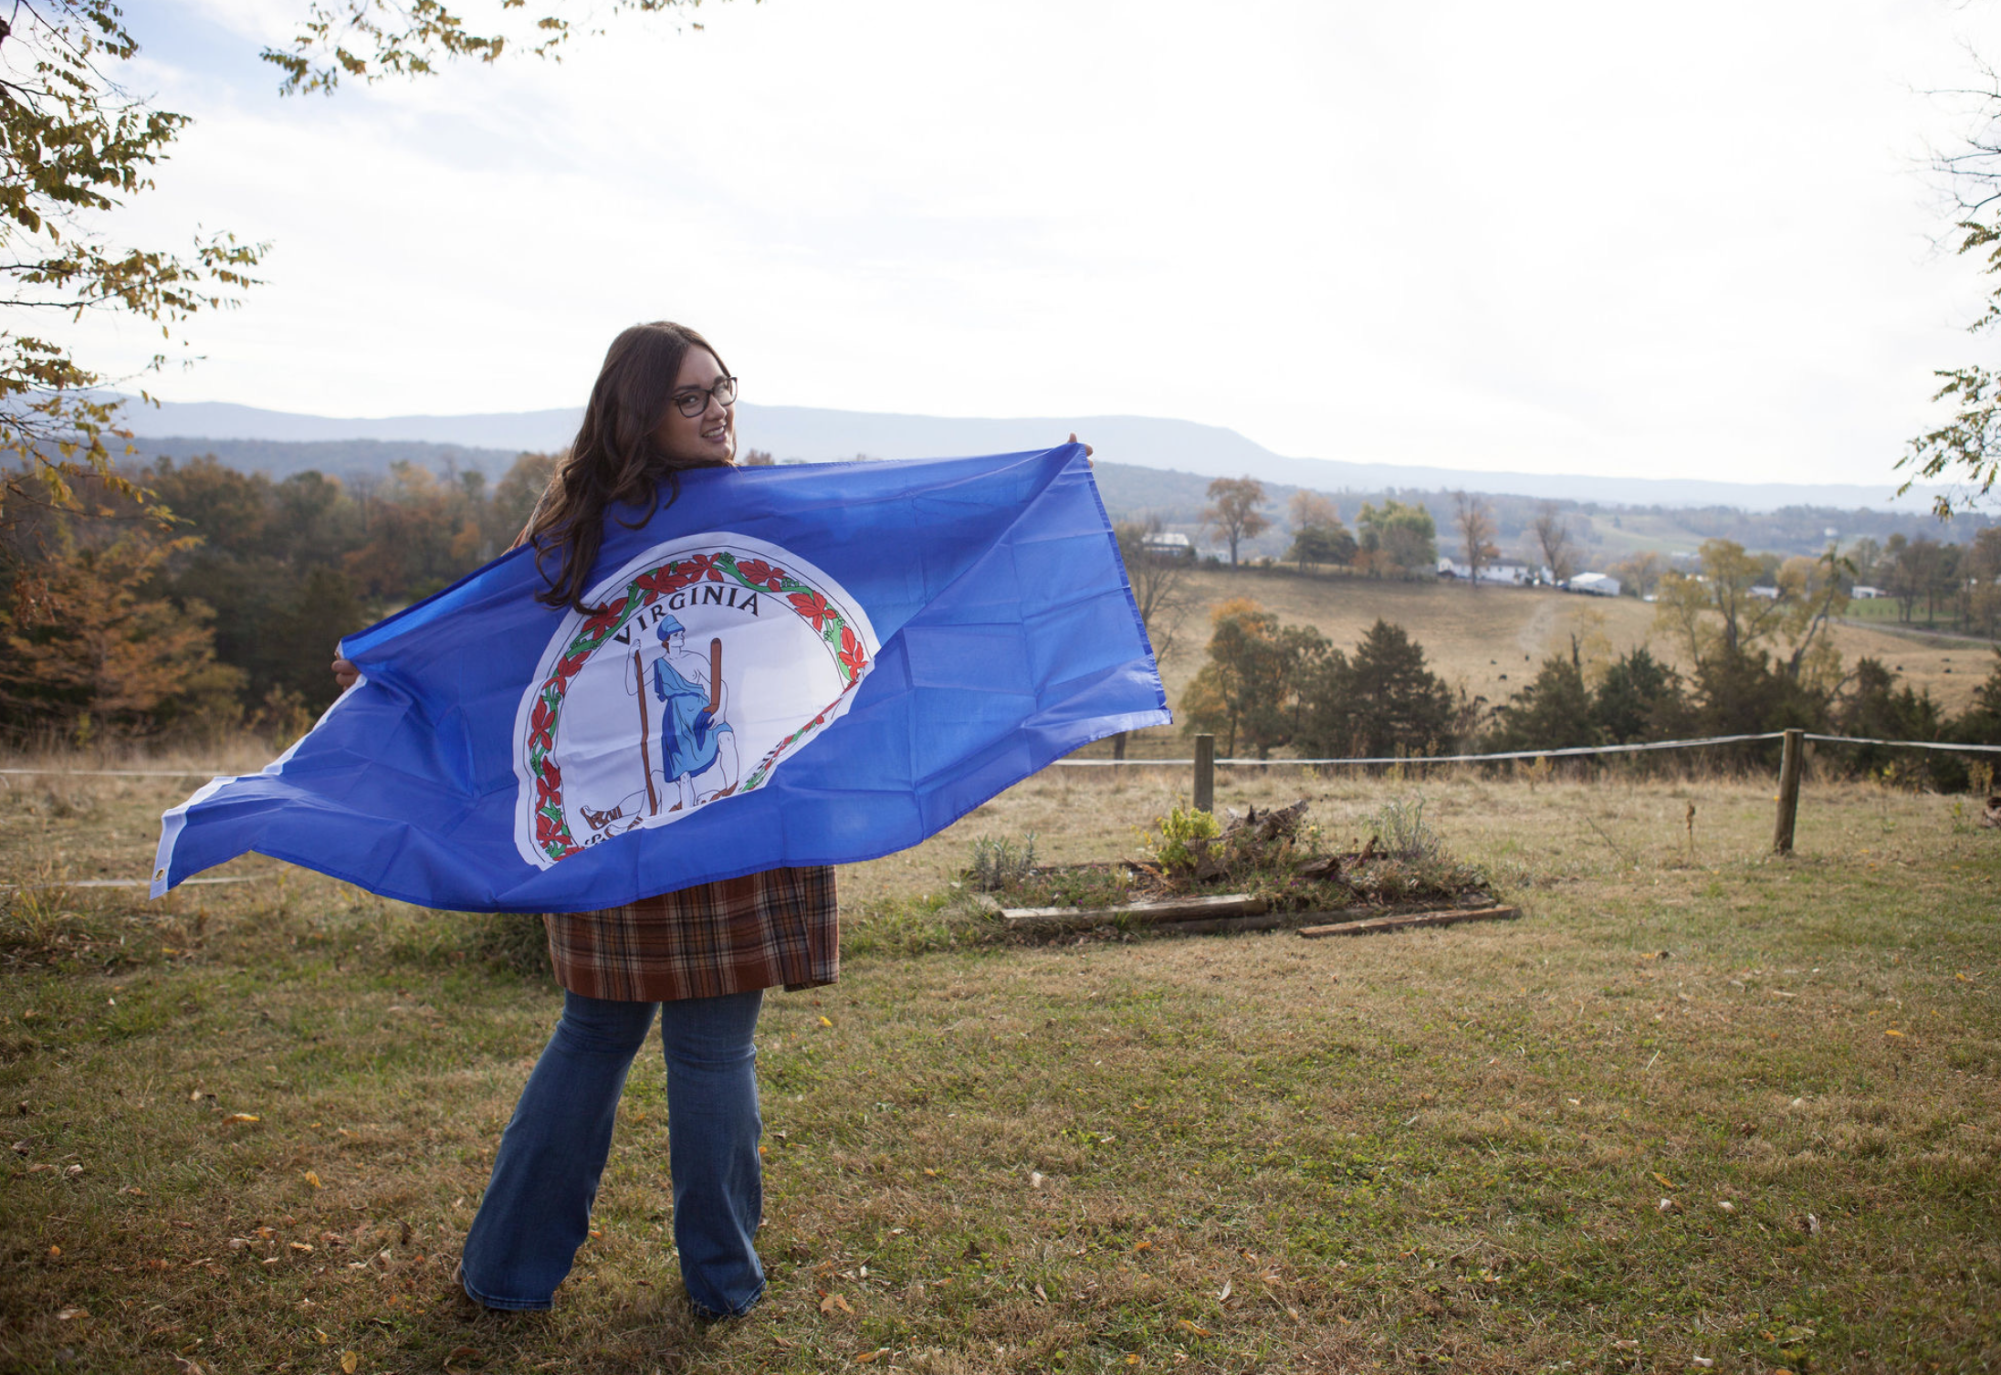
pixel 460 1354
pixel 236 1117
pixel 835 1303
pixel 312 1179
pixel 1192 1327
pixel 1891 1031
pixel 350 1361
pixel 55 1253
pixel 866 1357
pixel 303 1247
pixel 1665 1182
pixel 825 1022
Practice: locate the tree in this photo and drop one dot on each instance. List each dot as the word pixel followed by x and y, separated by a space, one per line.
pixel 1158 583
pixel 1398 540
pixel 373 39
pixel 1382 702
pixel 87 648
pixel 1249 690
pixel 1639 698
pixel 1552 712
pixel 1720 620
pixel 1233 512
pixel 1554 539
pixel 1639 574
pixel 1317 533
pixel 1967 447
pixel 1475 519
pixel 77 146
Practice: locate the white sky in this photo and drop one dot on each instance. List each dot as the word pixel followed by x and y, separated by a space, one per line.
pixel 1692 240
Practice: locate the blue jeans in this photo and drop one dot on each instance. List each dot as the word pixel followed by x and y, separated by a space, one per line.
pixel 537 1208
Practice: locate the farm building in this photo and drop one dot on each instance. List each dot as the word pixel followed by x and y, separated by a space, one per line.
pixel 1596 584
pixel 1506 571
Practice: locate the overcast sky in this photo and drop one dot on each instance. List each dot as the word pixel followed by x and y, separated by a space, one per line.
pixel 1691 240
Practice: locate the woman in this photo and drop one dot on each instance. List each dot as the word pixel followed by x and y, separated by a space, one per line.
pixel 699 958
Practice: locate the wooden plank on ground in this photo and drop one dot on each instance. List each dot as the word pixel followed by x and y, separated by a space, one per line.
pixel 1369 927
pixel 1168 909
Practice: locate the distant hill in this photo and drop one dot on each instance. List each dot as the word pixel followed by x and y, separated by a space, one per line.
pixel 1205 451
pixel 1606 533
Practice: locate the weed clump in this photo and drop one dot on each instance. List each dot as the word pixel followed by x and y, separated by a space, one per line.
pixel 1399 831
pixel 999 865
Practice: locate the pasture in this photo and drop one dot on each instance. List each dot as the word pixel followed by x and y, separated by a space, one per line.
pixel 1492 640
pixel 1698 1106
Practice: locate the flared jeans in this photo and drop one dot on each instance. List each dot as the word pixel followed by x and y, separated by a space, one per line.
pixel 537 1207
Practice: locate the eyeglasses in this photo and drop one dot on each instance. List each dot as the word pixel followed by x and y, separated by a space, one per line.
pixel 695 400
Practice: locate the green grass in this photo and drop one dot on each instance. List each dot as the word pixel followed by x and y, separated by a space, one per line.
pixel 1428 1151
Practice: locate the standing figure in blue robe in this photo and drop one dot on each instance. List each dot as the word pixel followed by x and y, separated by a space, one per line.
pixel 697 746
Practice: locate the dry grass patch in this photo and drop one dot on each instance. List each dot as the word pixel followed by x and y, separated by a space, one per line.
pixel 1251 1153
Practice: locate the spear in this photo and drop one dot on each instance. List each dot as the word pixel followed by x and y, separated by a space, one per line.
pixel 645 730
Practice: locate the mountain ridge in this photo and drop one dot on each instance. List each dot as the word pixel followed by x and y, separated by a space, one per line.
pixel 817 435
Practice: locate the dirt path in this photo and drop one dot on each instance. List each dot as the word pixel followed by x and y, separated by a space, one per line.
pixel 1534 636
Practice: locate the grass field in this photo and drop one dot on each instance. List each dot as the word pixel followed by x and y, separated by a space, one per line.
pixel 1697 1103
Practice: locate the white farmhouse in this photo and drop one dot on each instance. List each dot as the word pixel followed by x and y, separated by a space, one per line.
pixel 1596 584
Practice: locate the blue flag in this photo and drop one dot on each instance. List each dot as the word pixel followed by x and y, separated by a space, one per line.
pixel 788 665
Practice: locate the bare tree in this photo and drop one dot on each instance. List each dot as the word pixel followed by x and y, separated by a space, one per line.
pixel 1233 511
pixel 1475 520
pixel 1157 578
pixel 1554 538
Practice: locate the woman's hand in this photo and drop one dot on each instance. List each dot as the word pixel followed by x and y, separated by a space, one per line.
pixel 345 673
pixel 1087 448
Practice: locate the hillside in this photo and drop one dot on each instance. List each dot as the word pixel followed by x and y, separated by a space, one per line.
pixel 1605 533
pixel 1493 640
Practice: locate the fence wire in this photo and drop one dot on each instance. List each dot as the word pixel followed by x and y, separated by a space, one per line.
pixel 1568 751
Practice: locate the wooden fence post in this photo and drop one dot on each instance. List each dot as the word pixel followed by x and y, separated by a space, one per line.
pixel 1790 763
pixel 1205 773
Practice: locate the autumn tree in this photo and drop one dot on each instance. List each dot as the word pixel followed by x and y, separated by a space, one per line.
pixel 1475 521
pixel 1249 690
pixel 75 146
pixel 1966 448
pixel 370 40
pixel 1232 513
pixel 1555 541
pixel 86 649
pixel 1398 540
pixel 1318 536
pixel 1639 574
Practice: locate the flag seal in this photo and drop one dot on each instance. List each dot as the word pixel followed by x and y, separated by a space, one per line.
pixel 710 661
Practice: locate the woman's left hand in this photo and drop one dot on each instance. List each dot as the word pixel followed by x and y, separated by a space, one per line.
pixel 1087 448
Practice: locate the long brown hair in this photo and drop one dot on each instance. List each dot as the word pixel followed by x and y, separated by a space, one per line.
pixel 615 460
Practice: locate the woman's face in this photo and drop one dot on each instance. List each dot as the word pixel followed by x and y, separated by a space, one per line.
pixel 709 437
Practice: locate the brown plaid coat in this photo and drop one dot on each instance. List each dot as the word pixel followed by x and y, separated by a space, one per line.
pixel 759 931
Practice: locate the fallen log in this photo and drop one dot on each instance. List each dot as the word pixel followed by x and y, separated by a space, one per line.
pixel 1369 927
pixel 1150 913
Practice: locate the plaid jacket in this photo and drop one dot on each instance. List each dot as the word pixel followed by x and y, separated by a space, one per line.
pixel 778 927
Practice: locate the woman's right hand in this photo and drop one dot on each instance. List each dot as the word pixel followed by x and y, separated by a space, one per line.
pixel 345 673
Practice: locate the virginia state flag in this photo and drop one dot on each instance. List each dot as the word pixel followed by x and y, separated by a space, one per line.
pixel 789 665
